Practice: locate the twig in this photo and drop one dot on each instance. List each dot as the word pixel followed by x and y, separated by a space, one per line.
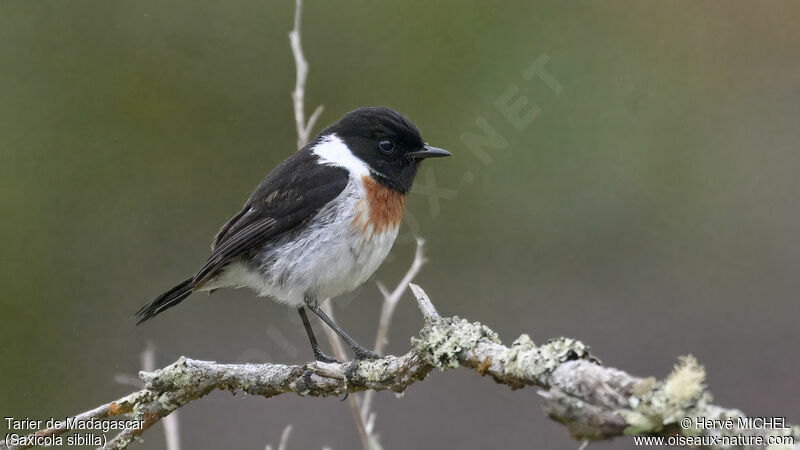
pixel 171 431
pixel 285 438
pixel 303 134
pixel 425 305
pixel 298 95
pixel 284 443
pixel 593 401
pixel 352 400
pixel 390 301
pixel 366 419
pixel 148 364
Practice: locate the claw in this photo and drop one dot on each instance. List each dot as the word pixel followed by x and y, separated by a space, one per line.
pixel 322 357
pixel 361 354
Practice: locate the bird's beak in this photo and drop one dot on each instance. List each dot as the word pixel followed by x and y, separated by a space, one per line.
pixel 429 152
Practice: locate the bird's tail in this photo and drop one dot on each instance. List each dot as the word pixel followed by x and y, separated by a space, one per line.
pixel 166 300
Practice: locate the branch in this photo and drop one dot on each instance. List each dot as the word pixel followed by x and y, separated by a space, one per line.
pixel 284 439
pixel 352 400
pixel 148 364
pixel 593 401
pixel 303 134
pixel 390 300
pixel 298 95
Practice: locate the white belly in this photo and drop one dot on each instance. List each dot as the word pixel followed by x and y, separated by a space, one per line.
pixel 330 258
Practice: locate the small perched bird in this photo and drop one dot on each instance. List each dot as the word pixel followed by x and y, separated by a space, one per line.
pixel 320 223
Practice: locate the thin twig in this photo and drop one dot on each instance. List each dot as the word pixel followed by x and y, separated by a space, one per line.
pixel 171 431
pixel 390 300
pixel 284 443
pixel 303 133
pixel 425 305
pixel 148 364
pixel 352 400
pixel 298 95
pixel 285 437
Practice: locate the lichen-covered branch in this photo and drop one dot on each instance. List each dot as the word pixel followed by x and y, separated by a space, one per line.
pixel 170 423
pixel 390 301
pixel 593 401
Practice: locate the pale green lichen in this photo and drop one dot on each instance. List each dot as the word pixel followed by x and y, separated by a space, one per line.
pixel 179 375
pixel 165 400
pixel 519 356
pixel 137 408
pixel 441 342
pixel 639 423
pixel 525 361
pixel 374 371
pixel 560 350
pixel 654 405
pixel 175 376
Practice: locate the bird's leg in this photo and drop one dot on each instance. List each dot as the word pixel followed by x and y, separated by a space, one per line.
pixel 358 351
pixel 318 355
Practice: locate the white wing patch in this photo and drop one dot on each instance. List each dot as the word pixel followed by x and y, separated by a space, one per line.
pixel 333 151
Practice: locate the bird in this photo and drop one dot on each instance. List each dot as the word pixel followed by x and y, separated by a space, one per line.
pixel 320 223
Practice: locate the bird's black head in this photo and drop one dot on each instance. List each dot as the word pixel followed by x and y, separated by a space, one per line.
pixel 387 141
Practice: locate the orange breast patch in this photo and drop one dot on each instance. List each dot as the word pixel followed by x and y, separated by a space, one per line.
pixel 385 207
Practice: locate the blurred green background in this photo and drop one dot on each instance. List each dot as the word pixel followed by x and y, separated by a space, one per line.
pixel 651 209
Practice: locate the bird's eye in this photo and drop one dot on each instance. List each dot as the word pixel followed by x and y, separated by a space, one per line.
pixel 386 146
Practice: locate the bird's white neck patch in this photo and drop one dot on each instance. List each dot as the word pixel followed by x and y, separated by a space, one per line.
pixel 333 151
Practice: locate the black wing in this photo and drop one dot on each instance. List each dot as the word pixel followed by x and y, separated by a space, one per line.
pixel 292 193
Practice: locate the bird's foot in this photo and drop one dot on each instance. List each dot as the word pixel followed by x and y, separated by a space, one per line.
pixel 360 354
pixel 322 357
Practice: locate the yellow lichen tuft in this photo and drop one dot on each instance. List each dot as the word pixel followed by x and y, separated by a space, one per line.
pixel 685 383
pixel 654 405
